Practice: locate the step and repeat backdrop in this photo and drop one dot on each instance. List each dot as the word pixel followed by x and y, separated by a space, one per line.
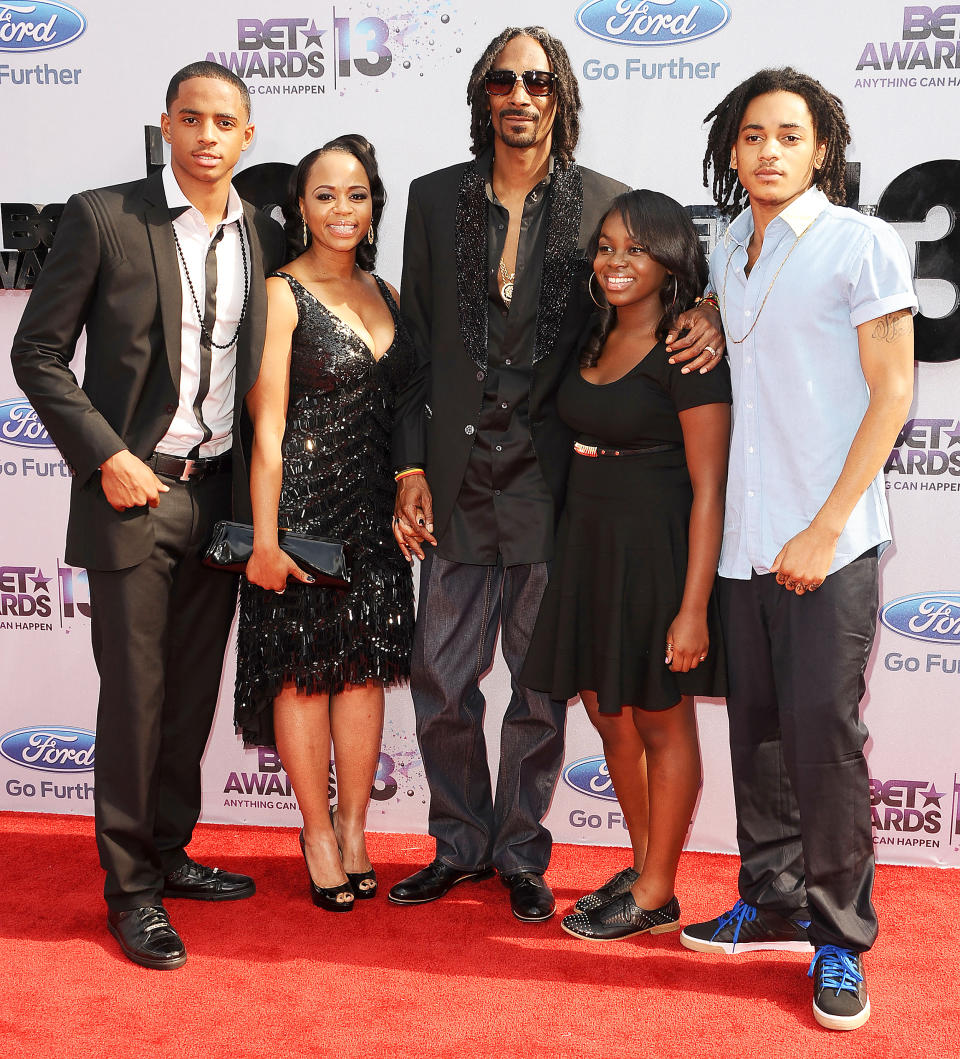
pixel 81 92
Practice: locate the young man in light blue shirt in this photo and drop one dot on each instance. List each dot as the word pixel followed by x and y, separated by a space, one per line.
pixel 817 303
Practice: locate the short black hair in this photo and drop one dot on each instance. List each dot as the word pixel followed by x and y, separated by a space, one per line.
pixel 829 125
pixel 566 122
pixel 207 69
pixel 663 227
pixel 293 223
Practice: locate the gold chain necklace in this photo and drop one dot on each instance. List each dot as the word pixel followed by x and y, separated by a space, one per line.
pixel 506 284
pixel 756 319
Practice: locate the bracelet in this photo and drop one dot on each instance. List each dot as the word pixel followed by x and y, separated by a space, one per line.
pixel 710 299
pixel 409 472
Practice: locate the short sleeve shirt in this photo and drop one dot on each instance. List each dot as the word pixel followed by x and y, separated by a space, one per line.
pixel 799 393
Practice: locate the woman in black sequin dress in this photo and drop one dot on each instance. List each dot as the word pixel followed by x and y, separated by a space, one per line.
pixel 312 661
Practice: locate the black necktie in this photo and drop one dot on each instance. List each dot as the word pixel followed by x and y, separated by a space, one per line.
pixel 206 337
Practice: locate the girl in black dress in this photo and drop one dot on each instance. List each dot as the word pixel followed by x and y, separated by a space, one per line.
pixel 629 619
pixel 312 661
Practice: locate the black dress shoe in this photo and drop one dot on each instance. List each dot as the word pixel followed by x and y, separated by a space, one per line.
pixel 531 900
pixel 146 937
pixel 433 881
pixel 201 883
pixel 621 918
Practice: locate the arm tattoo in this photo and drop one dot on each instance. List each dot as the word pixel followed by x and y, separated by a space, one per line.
pixel 893 326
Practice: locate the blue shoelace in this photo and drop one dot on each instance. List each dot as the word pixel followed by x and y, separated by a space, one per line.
pixel 741 911
pixel 838 970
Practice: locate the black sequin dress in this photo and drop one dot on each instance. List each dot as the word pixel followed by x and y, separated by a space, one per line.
pixel 337 482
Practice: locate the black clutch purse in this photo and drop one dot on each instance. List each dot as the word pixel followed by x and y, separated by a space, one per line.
pixel 232 545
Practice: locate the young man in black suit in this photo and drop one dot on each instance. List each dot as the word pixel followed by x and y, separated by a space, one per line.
pixel 166 274
pixel 494 293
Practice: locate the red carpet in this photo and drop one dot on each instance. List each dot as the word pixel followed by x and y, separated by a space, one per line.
pixel 273 976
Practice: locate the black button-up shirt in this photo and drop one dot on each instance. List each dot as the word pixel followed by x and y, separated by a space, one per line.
pixel 504 511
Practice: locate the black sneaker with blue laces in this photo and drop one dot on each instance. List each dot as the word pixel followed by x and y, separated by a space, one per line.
pixel 840 1000
pixel 746 928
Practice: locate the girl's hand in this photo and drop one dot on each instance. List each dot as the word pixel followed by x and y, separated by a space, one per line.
pixel 687 642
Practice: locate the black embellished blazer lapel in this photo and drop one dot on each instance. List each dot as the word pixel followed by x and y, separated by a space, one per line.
pixel 560 257
pixel 564 210
pixel 470 261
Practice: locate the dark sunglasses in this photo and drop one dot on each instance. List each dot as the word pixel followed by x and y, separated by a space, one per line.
pixel 536 82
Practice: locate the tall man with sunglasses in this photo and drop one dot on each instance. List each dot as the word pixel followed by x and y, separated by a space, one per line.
pixel 494 293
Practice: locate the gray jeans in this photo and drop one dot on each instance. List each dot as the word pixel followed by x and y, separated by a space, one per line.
pixel 461 608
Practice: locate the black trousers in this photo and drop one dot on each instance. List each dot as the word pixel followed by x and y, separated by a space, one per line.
pixel 461 610
pixel 796 677
pixel 160 630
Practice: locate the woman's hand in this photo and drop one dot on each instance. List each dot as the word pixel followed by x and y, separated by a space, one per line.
pixel 687 642
pixel 270 567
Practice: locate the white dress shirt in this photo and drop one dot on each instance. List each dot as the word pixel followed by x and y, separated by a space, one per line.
pixel 216 409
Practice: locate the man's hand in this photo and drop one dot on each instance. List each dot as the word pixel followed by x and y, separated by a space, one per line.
pixel 128 482
pixel 413 516
pixel 804 561
pixel 703 344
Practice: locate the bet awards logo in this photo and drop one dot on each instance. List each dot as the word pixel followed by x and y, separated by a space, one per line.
pixel 270 788
pixel 905 812
pixel 926 456
pixel 24 593
pixel 26 27
pixel 928 41
pixel 296 55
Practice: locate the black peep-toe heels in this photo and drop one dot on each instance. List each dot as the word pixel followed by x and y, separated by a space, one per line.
pixel 330 898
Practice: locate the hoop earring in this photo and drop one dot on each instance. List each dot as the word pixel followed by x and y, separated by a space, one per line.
pixel 673 304
pixel 600 305
pixel 371 235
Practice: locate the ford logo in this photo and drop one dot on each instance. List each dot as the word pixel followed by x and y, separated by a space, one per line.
pixel 38 26
pixel 50 748
pixel 651 21
pixel 20 425
pixel 934 617
pixel 590 775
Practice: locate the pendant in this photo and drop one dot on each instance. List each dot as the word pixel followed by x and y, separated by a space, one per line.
pixel 506 292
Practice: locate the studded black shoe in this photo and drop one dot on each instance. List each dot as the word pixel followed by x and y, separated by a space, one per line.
pixel 619 884
pixel 622 918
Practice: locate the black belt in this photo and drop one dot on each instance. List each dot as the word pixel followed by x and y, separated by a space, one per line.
pixel 646 450
pixel 187 470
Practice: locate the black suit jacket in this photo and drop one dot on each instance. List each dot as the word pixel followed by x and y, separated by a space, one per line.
pixel 443 298
pixel 113 269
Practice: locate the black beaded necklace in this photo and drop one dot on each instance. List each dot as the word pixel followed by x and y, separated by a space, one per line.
pixel 246 290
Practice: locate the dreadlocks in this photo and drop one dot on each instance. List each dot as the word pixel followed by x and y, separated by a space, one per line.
pixel 829 125
pixel 566 123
